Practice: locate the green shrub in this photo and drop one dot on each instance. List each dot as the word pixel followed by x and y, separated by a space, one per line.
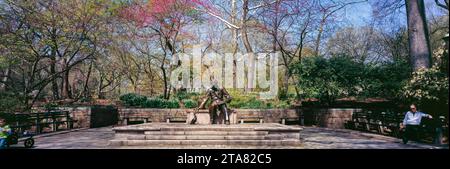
pixel 181 95
pixel 283 105
pixel 428 89
pixel 427 85
pixel 186 95
pixel 133 99
pixel 172 104
pixel 269 105
pixel 127 97
pixel 9 102
pixel 328 79
pixel 86 99
pixel 50 106
pixel 161 96
pixel 8 117
pixel 160 103
pixel 253 103
pixel 189 103
pixel 153 103
pixel 238 101
pixel 243 102
pixel 138 101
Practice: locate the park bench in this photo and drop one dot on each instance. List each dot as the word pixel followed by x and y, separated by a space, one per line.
pixel 359 121
pixel 373 122
pixel 428 128
pixel 53 119
pixel 388 123
pixel 384 122
pixel 251 119
pixel 40 120
pixel 130 120
pixel 177 119
pixel 391 123
pixel 290 120
pixel 369 121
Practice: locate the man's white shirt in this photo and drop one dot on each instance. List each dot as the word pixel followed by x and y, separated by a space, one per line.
pixel 413 118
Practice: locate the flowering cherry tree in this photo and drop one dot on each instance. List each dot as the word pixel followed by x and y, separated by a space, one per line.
pixel 163 21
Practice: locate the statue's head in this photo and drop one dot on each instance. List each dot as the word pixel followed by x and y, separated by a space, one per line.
pixel 215 85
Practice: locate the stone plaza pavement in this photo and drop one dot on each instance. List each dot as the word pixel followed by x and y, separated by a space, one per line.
pixel 312 138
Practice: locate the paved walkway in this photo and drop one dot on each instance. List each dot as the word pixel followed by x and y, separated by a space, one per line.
pixel 322 138
pixel 96 138
pixel 313 138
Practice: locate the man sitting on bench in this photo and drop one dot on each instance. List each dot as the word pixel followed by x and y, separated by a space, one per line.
pixel 411 123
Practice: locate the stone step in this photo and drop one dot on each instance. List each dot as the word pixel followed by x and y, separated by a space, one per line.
pixel 140 129
pixel 207 129
pixel 180 129
pixel 182 135
pixel 205 142
pixel 203 137
pixel 239 133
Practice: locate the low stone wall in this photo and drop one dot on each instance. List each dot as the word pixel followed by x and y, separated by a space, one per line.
pixel 326 117
pixel 102 116
pixel 161 115
pixel 269 115
pixel 91 117
pixel 153 115
pixel 81 114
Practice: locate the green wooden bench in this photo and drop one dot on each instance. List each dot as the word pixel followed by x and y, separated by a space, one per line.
pixel 40 120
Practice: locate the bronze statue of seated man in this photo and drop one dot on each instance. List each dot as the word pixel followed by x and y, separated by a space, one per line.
pixel 218 108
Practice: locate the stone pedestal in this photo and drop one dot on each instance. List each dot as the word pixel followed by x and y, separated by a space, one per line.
pixel 233 117
pixel 204 117
pixel 231 114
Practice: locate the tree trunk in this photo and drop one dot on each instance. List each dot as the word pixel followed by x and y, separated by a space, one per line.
pixel 248 47
pixel 4 79
pixel 65 93
pixel 55 88
pixel 419 43
pixel 234 35
pixel 66 86
pixel 319 35
pixel 244 27
pixel 100 94
pixel 286 77
pixel 151 77
pixel 85 92
pixel 166 83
